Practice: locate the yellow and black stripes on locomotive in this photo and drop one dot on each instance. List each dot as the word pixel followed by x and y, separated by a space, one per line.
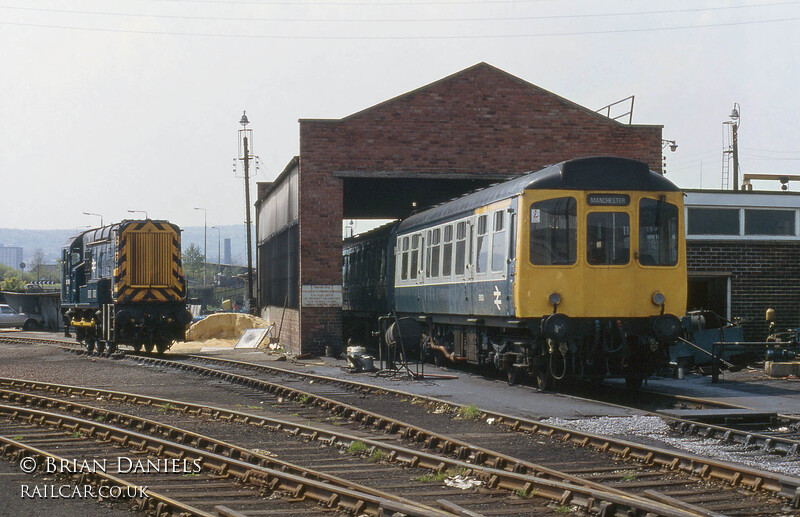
pixel 148 266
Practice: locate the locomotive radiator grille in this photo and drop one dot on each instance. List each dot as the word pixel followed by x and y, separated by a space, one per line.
pixel 148 264
pixel 150 259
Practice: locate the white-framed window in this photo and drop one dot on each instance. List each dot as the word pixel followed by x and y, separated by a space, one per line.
pixel 433 253
pixel 447 251
pixel 499 247
pixel 747 223
pixel 403 247
pixel 482 246
pixel 413 263
pixel 461 259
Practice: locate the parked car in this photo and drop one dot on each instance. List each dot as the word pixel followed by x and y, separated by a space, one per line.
pixel 9 317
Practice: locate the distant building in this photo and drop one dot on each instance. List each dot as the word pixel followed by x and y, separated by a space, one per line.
pixel 11 256
pixel 227 259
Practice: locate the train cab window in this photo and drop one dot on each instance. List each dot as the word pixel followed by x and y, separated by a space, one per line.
pixel 554 235
pixel 414 262
pixel 482 253
pixel 658 233
pixel 498 241
pixel 447 251
pixel 461 247
pixel 608 238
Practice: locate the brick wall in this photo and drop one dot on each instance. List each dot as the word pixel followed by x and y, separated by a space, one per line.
pixel 763 275
pixel 478 120
pixel 287 322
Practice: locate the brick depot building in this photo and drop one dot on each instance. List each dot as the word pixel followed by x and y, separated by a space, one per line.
pixel 743 256
pixel 465 131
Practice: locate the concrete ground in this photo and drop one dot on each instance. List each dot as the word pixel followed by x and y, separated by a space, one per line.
pixel 750 387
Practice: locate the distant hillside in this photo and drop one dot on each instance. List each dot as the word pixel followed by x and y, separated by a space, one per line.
pixel 51 241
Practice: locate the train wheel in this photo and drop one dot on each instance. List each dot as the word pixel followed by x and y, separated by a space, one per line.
pixel 148 347
pixel 89 345
pixel 544 380
pixel 161 348
pixel 137 347
pixel 111 348
pixel 634 382
pixel 101 347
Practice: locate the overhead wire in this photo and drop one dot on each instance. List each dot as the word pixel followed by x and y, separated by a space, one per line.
pixel 420 37
pixel 391 20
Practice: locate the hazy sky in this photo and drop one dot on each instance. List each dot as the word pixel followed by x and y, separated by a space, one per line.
pixel 110 106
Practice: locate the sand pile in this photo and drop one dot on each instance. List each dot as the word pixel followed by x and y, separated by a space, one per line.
pixel 224 325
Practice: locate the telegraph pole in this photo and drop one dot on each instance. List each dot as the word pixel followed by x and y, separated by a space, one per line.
pixel 735 113
pixel 246 158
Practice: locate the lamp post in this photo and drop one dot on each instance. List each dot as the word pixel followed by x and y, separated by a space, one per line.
pixel 734 116
pixel 139 212
pixel 245 156
pixel 205 242
pixel 97 215
pixel 673 146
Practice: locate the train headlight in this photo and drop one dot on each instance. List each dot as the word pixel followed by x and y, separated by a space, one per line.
pixel 554 298
pixel 659 299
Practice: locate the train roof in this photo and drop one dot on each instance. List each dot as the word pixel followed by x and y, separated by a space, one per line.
pixel 105 232
pixel 593 173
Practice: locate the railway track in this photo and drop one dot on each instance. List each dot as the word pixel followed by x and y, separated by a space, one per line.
pixel 529 492
pixel 87 451
pixel 784 442
pixel 629 471
pixel 656 460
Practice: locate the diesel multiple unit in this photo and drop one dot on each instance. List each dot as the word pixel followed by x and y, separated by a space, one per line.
pixel 575 271
pixel 123 284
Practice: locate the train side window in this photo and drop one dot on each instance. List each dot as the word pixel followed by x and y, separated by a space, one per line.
pixel 553 232
pixel 414 263
pixel 428 255
pixel 498 241
pixel 482 253
pixel 404 269
pixel 434 250
pixel 658 233
pixel 461 247
pixel 447 251
pixel 608 238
